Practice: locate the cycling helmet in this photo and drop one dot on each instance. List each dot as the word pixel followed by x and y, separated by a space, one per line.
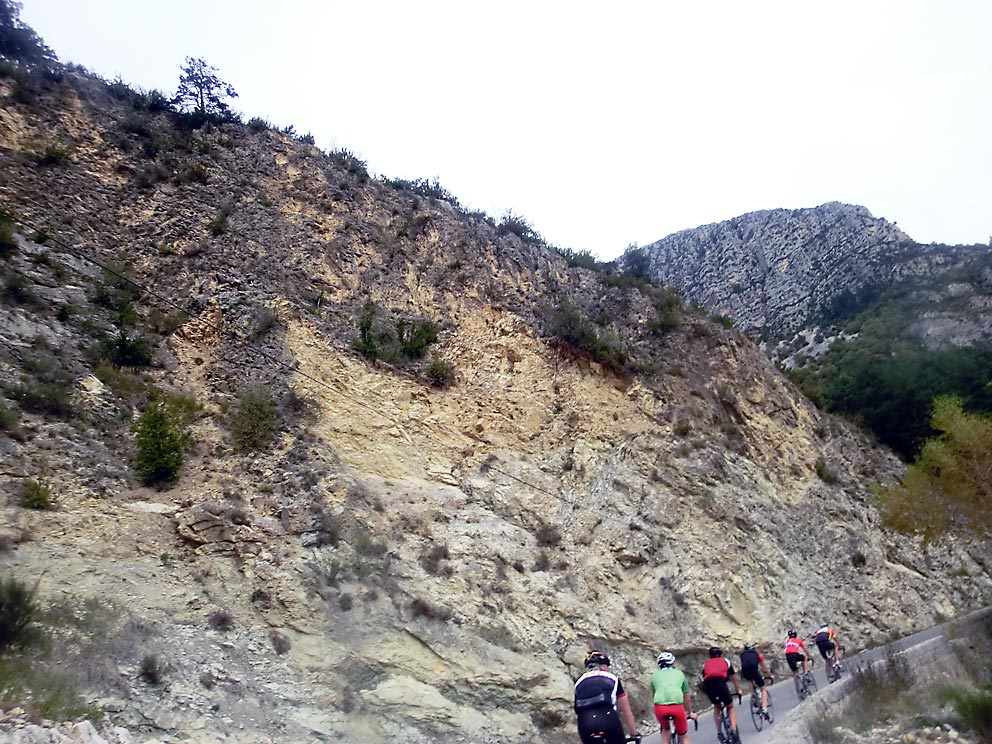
pixel 793 634
pixel 749 647
pixel 666 659
pixel 715 651
pixel 596 658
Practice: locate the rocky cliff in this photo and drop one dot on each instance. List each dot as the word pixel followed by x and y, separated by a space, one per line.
pixel 777 273
pixel 402 560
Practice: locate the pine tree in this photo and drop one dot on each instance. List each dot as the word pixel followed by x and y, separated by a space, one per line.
pixel 202 91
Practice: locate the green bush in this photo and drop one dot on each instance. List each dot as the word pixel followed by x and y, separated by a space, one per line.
pixel 423 608
pixel 580 259
pixel 547 535
pixel 263 320
pixel 974 707
pixel 162 440
pixel 513 224
pixel 825 473
pixel 47 398
pixel 17 612
pixel 415 336
pixel 440 373
pixel 53 154
pixel 668 312
pixel 401 343
pixel 17 290
pixel 432 559
pixel 151 669
pixel 218 225
pixel 221 620
pixel 8 245
pixel 195 173
pixel 36 494
pixel 253 419
pixel 126 349
pixel 8 417
pixel 257 124
pixel 569 325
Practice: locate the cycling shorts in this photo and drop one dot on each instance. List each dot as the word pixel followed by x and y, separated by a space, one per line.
pixel 825 648
pixel 677 712
pixel 718 691
pixel 604 721
pixel 753 675
pixel 795 661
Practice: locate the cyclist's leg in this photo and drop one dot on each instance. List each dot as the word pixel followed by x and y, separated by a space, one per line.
pixel 732 712
pixel 662 713
pixel 714 691
pixel 760 684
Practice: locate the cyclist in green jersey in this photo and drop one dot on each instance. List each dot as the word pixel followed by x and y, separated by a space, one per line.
pixel 671 698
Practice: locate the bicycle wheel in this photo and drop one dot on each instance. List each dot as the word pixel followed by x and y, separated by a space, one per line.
pixel 770 713
pixel 811 680
pixel 756 718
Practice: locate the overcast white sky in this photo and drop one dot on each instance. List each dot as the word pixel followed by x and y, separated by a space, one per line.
pixel 604 123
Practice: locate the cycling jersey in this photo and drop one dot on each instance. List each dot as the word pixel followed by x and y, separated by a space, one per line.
pixel 717 668
pixel 596 694
pixel 596 689
pixel 751 660
pixel 795 646
pixel 825 635
pixel 669 686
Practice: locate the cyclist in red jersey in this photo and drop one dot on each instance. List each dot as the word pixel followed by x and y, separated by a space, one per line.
pixel 795 652
pixel 717 672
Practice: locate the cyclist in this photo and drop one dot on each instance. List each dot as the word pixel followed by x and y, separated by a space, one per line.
pixel 717 672
pixel 598 696
pixel 671 698
pixel 795 652
pixel 751 660
pixel 827 641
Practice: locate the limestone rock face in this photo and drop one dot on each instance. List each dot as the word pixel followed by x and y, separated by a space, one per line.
pixel 400 561
pixel 778 272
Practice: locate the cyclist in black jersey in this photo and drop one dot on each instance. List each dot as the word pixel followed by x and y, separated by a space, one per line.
pixel 600 703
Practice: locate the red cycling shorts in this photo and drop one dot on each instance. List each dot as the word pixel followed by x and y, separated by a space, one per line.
pixel 677 712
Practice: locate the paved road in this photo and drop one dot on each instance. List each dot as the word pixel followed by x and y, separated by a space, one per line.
pixel 783 697
pixel 783 693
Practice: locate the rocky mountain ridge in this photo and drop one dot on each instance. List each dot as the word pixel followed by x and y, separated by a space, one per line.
pixel 402 560
pixel 780 273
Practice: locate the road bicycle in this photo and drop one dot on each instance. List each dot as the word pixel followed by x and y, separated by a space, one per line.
pixel 724 731
pixel 669 723
pixel 807 683
pixel 836 670
pixel 758 716
pixel 601 736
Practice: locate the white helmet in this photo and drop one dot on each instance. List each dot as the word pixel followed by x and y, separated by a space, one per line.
pixel 666 659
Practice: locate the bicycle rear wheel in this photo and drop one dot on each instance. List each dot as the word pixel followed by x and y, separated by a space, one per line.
pixel 756 718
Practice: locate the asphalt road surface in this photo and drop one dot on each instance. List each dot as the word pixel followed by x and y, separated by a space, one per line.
pixel 783 692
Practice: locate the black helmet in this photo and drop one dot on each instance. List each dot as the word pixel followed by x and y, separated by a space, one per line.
pixel 715 651
pixel 596 658
pixel 793 634
pixel 749 647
